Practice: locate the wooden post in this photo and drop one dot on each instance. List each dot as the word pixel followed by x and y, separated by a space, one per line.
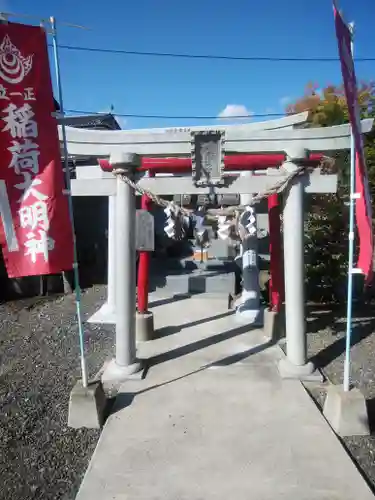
pixel 144 265
pixel 276 285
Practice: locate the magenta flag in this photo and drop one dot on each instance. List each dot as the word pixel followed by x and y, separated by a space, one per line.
pixel 363 210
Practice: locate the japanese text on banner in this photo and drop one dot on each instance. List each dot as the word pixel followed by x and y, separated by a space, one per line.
pixel 37 235
pixel 20 124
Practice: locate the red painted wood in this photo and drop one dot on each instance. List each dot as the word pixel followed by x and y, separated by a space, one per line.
pixel 144 265
pixel 232 162
pixel 276 285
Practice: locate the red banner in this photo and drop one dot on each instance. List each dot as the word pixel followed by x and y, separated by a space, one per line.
pixel 363 201
pixel 37 235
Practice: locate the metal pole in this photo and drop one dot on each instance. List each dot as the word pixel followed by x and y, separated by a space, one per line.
pixel 349 311
pixel 125 275
pixel 111 264
pixel 294 274
pixel 77 287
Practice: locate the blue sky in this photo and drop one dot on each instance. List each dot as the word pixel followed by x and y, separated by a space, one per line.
pixel 166 86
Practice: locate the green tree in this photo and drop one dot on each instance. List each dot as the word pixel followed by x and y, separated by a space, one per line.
pixel 327 219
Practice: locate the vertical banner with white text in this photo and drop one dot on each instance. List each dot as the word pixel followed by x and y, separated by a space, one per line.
pixel 37 236
pixel 363 201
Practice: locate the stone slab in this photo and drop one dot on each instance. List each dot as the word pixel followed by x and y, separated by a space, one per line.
pixel 87 406
pixel 214 420
pixel 198 281
pixel 346 412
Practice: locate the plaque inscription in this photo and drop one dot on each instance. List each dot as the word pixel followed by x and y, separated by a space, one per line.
pixel 144 231
pixel 207 155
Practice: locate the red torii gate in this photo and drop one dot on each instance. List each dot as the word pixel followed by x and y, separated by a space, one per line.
pixel 235 162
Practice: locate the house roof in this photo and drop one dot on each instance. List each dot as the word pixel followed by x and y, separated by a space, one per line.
pixel 100 121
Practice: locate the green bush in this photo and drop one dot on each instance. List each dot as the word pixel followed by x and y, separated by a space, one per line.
pixel 327 218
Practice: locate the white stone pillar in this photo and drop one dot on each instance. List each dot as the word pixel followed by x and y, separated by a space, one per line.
pixel 295 364
pixel 111 290
pixel 125 363
pixel 126 274
pixel 107 313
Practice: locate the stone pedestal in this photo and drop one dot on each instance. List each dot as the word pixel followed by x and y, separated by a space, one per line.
pixel 306 372
pixel 87 406
pixel 346 411
pixel 114 375
pixel 144 326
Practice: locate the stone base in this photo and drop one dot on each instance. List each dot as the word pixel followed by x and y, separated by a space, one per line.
pixel 346 412
pixel 87 406
pixel 105 315
pixel 144 326
pixel 270 324
pixel 306 372
pixel 114 375
pixel 274 325
pixel 253 317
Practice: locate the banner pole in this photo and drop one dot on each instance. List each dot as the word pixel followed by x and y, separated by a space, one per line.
pixel 351 249
pixel 77 287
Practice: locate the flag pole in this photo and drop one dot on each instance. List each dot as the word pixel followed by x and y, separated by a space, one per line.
pixel 349 310
pixel 77 287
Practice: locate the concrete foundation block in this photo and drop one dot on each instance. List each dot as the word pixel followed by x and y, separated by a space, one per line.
pixel 346 412
pixel 144 326
pixel 306 372
pixel 274 324
pixel 115 375
pixel 87 406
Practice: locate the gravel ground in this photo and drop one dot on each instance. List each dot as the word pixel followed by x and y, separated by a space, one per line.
pixel 326 344
pixel 40 457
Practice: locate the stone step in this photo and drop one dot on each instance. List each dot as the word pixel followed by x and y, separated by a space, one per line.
pixel 196 281
pixel 174 265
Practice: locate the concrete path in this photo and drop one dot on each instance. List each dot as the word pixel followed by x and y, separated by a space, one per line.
pixel 213 420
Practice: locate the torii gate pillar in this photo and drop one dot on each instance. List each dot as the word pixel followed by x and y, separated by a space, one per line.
pixel 295 365
pixel 125 364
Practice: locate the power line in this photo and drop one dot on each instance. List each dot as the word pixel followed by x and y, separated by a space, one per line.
pixel 169 117
pixel 209 56
pixel 41 20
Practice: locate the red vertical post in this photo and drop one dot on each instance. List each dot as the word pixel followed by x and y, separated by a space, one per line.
pixel 276 288
pixel 144 265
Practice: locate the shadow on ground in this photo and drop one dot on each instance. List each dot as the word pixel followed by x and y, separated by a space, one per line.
pixel 123 400
pixel 371 414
